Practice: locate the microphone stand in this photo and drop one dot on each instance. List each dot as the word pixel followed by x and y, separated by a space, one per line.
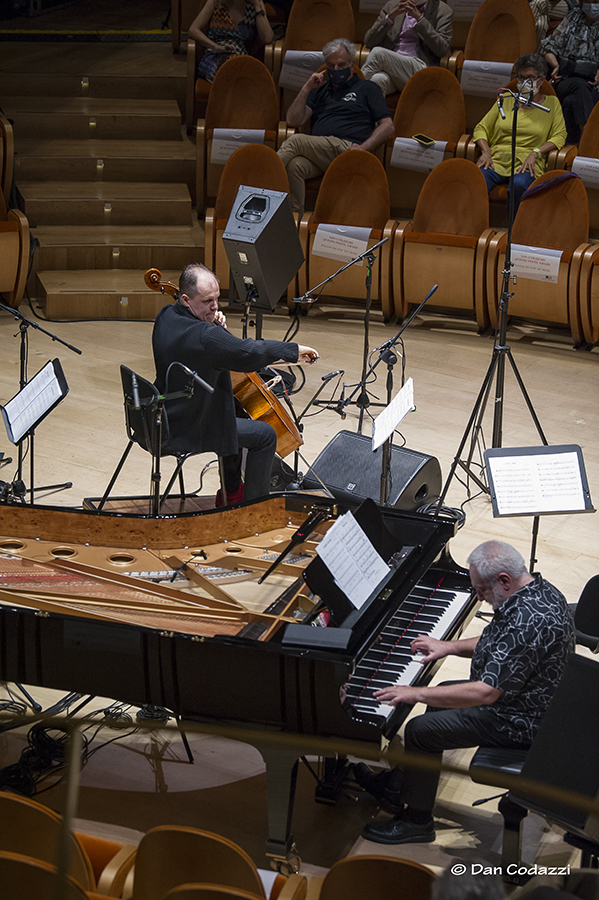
pixel 369 255
pixel 501 350
pixel 17 489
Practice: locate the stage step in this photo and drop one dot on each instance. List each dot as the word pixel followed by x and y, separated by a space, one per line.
pixel 101 294
pixel 62 160
pixel 105 203
pixel 78 118
pixel 108 247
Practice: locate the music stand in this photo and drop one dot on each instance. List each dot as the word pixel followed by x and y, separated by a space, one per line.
pixel 23 413
pixel 537 481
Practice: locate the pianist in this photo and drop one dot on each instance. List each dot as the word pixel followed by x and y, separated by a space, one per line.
pixel 517 663
pixel 187 332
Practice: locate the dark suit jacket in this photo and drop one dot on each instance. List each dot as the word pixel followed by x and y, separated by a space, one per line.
pixel 206 422
pixel 434 31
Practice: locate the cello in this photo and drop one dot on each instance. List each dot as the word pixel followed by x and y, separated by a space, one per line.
pixel 257 399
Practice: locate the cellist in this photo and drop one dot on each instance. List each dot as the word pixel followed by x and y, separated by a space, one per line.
pixel 187 332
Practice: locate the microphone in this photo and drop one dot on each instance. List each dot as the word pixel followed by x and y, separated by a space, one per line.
pixel 135 388
pixel 500 104
pixel 196 378
pixel 333 374
pixel 431 292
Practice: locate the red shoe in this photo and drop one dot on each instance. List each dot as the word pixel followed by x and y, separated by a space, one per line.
pixel 232 498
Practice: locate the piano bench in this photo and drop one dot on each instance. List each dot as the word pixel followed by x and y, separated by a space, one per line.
pixel 490 765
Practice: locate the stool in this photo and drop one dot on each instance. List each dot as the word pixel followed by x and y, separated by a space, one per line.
pixel 489 765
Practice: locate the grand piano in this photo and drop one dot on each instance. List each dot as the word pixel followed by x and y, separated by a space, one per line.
pixel 88 603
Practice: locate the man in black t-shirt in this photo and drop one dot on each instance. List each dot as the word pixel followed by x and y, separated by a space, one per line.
pixel 346 112
pixel 517 663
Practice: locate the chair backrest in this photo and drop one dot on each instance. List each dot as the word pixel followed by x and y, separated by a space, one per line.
pixel 557 218
pixel 431 103
pixel 586 615
pixel 453 200
pixel 30 829
pixel 243 95
pixel 209 892
pixel 7 150
pixel 354 191
pixel 254 165
pixel 501 31
pixel 141 423
pixel 358 877
pixel 25 878
pixel 171 855
pixel 312 23
pixel 589 140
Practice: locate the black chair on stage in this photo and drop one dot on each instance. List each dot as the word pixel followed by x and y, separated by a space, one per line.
pixel 147 425
pixel 586 615
pixel 564 756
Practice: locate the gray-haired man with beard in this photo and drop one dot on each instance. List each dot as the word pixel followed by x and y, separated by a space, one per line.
pixel 517 663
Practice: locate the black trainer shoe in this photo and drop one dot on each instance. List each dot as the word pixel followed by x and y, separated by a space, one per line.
pixel 399 831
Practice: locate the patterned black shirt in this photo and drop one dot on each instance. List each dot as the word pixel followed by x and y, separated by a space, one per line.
pixel 523 652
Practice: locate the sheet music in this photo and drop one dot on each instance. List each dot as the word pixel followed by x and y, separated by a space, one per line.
pixel 30 404
pixel 537 484
pixel 352 559
pixel 387 421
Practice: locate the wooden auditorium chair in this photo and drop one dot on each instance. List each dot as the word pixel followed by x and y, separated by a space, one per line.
pixel 182 14
pixel 25 878
pixel 585 156
pixel 209 892
pixel 7 156
pixel 557 218
pixel 501 31
pixel 446 243
pixel 30 829
pixel 311 25
pixel 354 193
pixel 243 96
pixel 432 104
pixel 254 165
pixel 14 253
pixel 360 877
pixel 172 855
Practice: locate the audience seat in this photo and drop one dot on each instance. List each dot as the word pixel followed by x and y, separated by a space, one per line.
pixel 7 156
pixel 183 12
pixel 14 253
pixel 501 31
pixel 254 165
pixel 557 219
pixel 360 877
pixel 446 244
pixel 25 878
pixel 354 192
pixel 589 149
pixel 243 96
pixel 431 103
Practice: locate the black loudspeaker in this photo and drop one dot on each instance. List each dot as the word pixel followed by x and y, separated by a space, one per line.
pixel 262 245
pixel 351 470
pixel 565 750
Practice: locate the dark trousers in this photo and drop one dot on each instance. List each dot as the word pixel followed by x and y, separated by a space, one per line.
pixel 445 729
pixel 260 440
pixel 577 98
pixel 522 180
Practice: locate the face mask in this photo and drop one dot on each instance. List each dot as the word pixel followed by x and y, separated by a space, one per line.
pixel 339 76
pixel 534 84
pixel 591 10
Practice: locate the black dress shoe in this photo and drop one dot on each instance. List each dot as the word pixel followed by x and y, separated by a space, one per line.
pixel 399 831
pixel 377 785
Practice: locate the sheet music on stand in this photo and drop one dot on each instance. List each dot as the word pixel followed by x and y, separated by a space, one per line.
pixel 387 421
pixel 353 561
pixel 537 481
pixel 33 402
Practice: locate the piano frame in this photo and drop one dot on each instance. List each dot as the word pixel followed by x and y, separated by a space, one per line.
pixel 294 690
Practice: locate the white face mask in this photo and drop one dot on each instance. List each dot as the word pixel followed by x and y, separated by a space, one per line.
pixel 529 83
pixel 591 10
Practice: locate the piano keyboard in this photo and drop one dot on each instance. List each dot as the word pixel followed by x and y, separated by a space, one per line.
pixel 390 661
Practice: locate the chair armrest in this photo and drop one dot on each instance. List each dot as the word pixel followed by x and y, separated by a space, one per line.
pixel 7 156
pixel 295 888
pixel 562 159
pixel 304 236
pixel 590 322
pixel 190 84
pixel 314 888
pixel 200 165
pixel 466 148
pixel 496 244
pixel 575 301
pixel 402 228
pixel 481 308
pixel 23 267
pixel 453 61
pixel 113 876
pixel 385 270
pixel 210 239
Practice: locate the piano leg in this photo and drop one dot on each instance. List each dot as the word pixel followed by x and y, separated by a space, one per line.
pixel 281 774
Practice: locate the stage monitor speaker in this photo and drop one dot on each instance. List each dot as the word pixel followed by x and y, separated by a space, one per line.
pixel 351 470
pixel 565 750
pixel 262 245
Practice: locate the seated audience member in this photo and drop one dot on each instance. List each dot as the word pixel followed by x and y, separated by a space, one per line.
pixel 346 113
pixel 572 52
pixel 406 37
pixel 517 663
pixel 538 131
pixel 228 28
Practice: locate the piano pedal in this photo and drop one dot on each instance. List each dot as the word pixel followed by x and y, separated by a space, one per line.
pixel 336 772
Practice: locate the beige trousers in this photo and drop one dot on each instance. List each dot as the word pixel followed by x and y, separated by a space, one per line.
pixel 390 70
pixel 306 156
